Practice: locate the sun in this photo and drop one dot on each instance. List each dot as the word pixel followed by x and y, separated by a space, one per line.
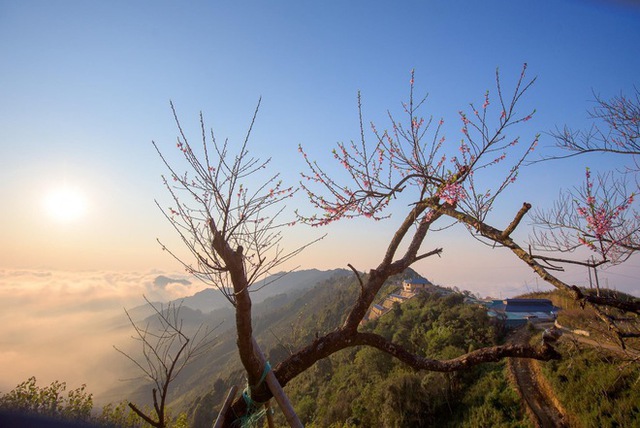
pixel 65 204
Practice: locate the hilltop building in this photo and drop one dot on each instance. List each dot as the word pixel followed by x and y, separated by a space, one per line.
pixel 410 287
pixel 417 284
pixel 517 312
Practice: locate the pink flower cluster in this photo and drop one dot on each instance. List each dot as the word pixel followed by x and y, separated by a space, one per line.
pixel 451 193
pixel 601 218
pixel 465 123
pixel 181 147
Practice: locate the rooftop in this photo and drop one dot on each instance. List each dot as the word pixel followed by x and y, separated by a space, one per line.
pixel 420 281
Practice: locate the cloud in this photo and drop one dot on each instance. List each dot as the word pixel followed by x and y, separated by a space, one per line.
pixel 162 281
pixel 35 273
pixel 59 325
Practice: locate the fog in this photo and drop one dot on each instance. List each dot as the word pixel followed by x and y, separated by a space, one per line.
pixel 62 325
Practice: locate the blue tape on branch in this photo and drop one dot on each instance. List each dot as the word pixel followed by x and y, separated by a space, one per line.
pixel 265 372
pixel 255 410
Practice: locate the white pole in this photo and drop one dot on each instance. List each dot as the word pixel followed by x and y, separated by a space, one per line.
pixel 227 402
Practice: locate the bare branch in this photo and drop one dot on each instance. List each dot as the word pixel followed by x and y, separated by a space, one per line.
pixel 516 220
pixel 166 351
pixel 615 130
pixel 357 274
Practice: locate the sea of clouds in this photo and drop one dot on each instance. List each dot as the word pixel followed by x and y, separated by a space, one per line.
pixel 58 325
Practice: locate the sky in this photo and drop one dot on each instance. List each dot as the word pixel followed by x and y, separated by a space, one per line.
pixel 85 87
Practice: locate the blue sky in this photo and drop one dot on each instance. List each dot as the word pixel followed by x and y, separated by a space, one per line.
pixel 85 87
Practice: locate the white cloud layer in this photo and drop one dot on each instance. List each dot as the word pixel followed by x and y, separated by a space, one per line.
pixel 58 325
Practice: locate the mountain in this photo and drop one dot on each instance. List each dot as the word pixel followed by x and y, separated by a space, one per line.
pixel 280 295
pixel 280 326
pixel 288 311
pixel 211 299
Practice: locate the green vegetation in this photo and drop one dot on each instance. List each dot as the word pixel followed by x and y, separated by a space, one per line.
pixel 28 398
pixel 365 387
pixel 597 388
pixel 49 401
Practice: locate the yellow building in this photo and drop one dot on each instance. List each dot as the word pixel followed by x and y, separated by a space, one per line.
pixel 417 284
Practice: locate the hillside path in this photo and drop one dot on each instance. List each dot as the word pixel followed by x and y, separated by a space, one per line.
pixel 542 408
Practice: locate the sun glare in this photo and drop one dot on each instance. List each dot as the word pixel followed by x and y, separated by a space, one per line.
pixel 65 204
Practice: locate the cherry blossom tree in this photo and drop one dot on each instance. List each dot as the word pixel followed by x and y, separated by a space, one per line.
pixel 599 215
pixel 229 221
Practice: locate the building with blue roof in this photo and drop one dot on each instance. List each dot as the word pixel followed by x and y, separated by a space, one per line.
pixel 517 312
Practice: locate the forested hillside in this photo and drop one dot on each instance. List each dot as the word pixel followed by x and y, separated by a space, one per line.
pixel 363 386
pixel 291 321
pixel 279 291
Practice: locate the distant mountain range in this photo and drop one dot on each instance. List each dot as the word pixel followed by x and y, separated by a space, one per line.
pixel 282 295
pixel 288 312
pixel 210 299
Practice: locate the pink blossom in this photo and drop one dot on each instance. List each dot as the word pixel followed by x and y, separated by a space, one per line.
pixel 586 243
pixel 451 193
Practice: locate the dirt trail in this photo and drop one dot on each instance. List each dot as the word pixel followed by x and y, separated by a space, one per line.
pixel 541 406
